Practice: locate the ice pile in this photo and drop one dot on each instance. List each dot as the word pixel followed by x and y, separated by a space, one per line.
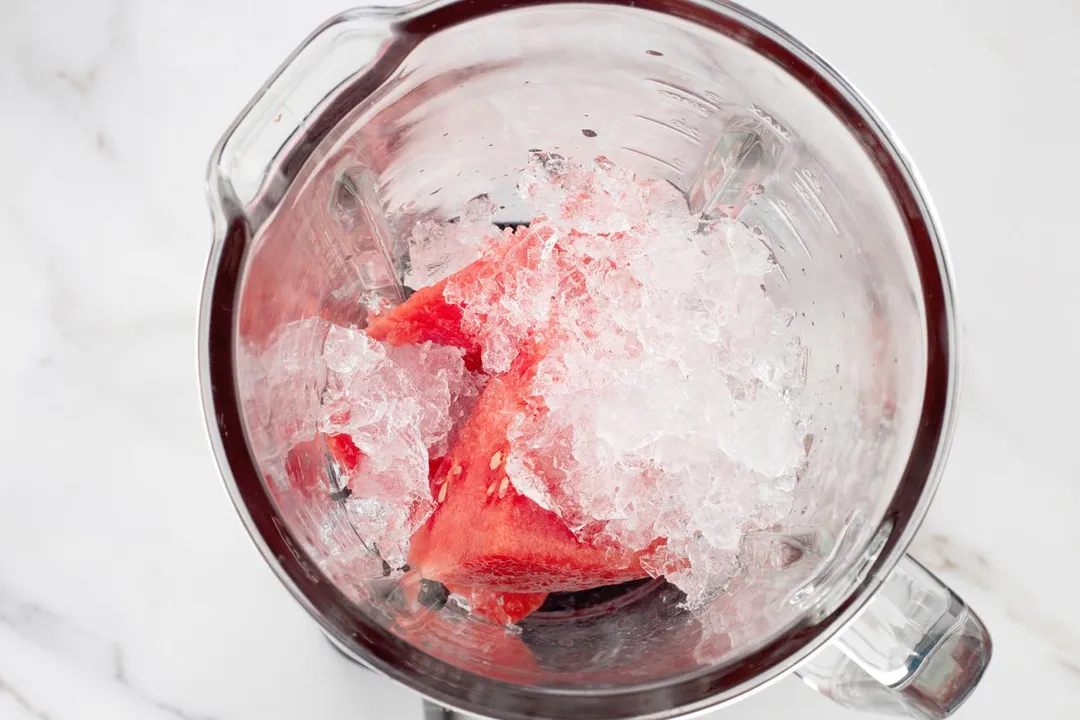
pixel 398 405
pixel 671 382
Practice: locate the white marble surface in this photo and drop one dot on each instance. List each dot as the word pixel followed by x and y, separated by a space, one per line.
pixel 128 588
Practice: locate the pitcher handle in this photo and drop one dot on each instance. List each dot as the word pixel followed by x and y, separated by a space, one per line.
pixel 917 650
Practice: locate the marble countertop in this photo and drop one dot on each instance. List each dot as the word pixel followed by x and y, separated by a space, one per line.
pixel 128 588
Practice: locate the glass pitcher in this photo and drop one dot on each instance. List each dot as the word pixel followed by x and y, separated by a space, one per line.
pixel 386 117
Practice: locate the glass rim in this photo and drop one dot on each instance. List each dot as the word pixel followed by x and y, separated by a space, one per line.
pixel 436 679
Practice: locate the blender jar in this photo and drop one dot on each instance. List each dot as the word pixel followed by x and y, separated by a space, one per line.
pixel 387 117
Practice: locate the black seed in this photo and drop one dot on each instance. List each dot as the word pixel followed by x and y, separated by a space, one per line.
pixel 588 133
pixel 511 225
pixel 386 569
pixel 339 495
pixel 433 595
pixel 406 567
pixel 408 291
pixel 655 53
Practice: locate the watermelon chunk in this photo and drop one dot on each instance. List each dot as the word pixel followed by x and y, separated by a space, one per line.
pixel 483 533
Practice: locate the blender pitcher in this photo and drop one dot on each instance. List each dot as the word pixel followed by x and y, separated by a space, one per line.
pixel 386 117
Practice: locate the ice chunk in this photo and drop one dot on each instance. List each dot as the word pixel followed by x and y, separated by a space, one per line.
pixel 444 389
pixel 438 249
pixel 503 311
pixel 398 405
pixel 280 388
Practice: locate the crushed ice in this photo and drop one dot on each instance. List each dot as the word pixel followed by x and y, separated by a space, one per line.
pixel 437 249
pixel 398 405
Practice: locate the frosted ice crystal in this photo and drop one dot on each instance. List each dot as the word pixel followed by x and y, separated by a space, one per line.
pixel 438 249
pixel 399 405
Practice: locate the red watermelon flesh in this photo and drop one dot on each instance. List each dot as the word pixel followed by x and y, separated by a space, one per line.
pixel 483 533
pixel 427 317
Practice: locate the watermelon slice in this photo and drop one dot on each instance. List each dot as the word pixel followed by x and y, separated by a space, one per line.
pixel 483 533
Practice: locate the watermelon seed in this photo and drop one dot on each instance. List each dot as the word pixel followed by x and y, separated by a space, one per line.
pixel 491 489
pixel 442 492
pixel 456 470
pixel 504 486
pixel 439 481
pixel 495 460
